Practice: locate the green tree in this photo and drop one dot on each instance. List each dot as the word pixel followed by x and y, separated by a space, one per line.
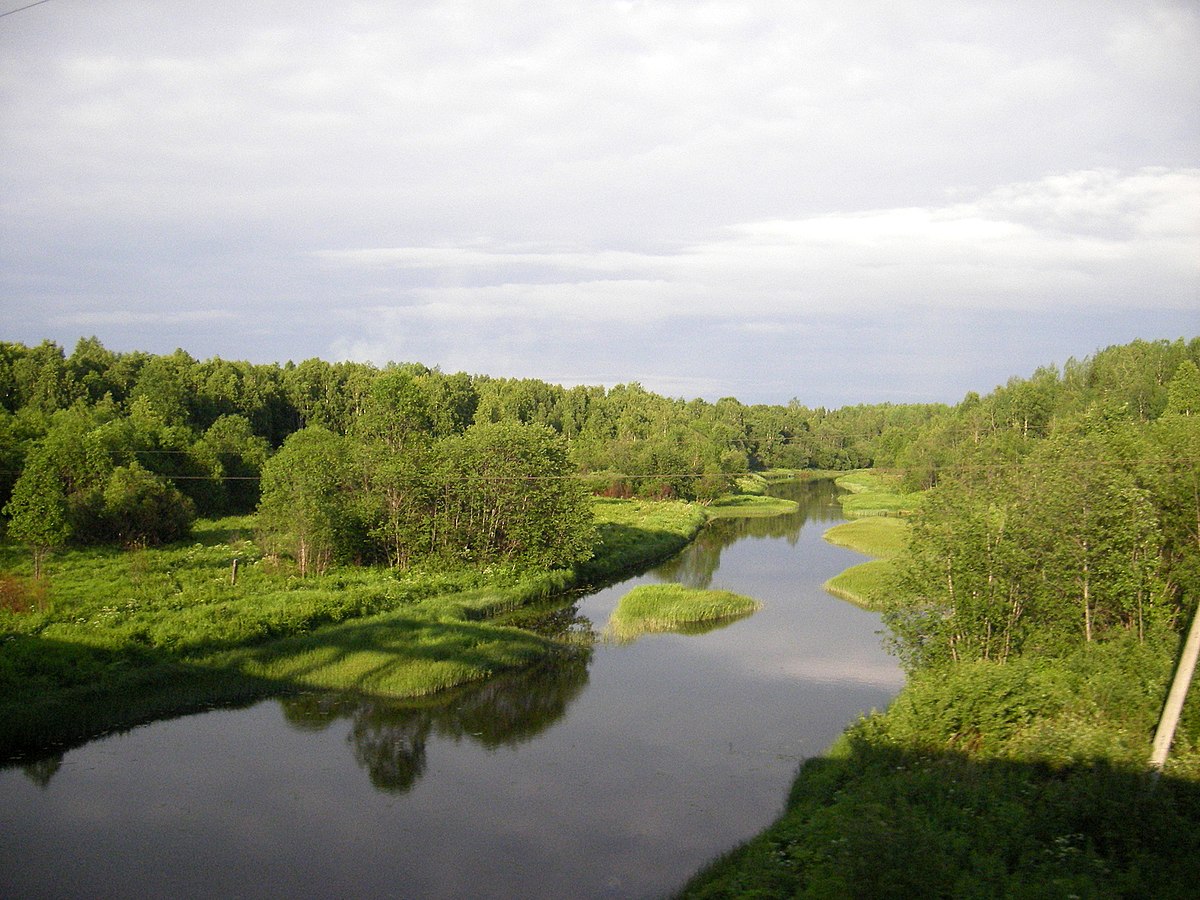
pixel 307 507
pixel 1099 534
pixel 234 456
pixel 142 508
pixel 1183 391
pixel 1169 468
pixel 511 496
pixel 37 510
pixel 43 378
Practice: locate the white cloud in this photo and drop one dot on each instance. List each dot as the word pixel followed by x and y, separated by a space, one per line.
pixel 1078 240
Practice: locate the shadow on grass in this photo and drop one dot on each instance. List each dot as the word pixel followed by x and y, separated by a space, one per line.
pixel 877 820
pixel 58 695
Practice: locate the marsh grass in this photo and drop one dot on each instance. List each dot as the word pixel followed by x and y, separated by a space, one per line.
pixel 750 506
pixel 881 536
pixel 675 607
pixel 394 655
pixel 870 585
pixel 873 493
pixel 634 534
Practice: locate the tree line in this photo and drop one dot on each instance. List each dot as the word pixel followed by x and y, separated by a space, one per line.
pixel 395 464
pixel 349 461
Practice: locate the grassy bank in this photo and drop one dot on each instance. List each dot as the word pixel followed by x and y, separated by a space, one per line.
pixel 674 607
pixel 873 493
pixel 115 638
pixel 869 584
pixel 742 506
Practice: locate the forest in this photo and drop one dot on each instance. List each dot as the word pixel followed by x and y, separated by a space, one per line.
pixel 1049 565
pixel 349 462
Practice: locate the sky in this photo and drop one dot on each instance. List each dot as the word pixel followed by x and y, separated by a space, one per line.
pixel 835 202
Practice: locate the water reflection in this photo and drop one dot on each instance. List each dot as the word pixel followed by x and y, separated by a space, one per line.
pixel 389 737
pixel 698 564
pixel 40 771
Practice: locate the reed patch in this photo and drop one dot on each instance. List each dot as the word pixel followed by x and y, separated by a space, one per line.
pixel 674 607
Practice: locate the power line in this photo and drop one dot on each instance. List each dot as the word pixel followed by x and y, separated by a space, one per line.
pixel 12 12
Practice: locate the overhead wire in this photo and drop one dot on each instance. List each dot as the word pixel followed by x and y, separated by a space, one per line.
pixel 13 12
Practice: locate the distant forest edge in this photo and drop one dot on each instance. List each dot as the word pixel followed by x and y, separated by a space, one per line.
pixel 352 462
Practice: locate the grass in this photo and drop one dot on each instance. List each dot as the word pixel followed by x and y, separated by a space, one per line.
pixel 870 585
pixel 114 638
pixel 674 607
pixel 881 536
pixel 394 655
pixel 635 534
pixel 877 528
pixel 750 506
pixel 874 493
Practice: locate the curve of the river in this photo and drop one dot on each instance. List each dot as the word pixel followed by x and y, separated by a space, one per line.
pixel 616 775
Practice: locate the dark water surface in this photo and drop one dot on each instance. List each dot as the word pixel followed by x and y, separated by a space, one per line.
pixel 614 776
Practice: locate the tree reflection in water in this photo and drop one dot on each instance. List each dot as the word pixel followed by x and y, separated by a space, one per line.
pixel 389 736
pixel 698 564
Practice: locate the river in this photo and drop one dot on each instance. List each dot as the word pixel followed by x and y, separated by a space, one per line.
pixel 617 775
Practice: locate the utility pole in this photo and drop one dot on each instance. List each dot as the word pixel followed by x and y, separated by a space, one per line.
pixel 1179 688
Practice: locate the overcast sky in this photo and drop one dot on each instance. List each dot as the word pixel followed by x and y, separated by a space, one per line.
pixel 837 202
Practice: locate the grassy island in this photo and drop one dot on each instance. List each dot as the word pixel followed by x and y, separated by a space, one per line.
pixel 875 494
pixel 750 506
pixel 675 607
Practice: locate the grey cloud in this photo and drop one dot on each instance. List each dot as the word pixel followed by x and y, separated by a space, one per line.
pixel 597 187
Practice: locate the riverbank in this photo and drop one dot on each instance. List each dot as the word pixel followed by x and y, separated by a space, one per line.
pixel 987 779
pixel 871 584
pixel 125 637
pixel 1024 779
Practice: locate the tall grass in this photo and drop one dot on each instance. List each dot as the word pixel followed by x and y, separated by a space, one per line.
pixel 750 506
pixel 871 585
pixel 880 536
pixel 674 607
pixel 873 493
pixel 394 655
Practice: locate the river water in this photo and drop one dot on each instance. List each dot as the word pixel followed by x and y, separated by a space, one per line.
pixel 616 775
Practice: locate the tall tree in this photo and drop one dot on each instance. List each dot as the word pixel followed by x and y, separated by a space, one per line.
pixel 307 506
pixel 512 497
pixel 37 510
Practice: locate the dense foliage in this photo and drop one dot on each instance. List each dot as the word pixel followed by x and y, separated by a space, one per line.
pixel 353 462
pixel 1038 542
